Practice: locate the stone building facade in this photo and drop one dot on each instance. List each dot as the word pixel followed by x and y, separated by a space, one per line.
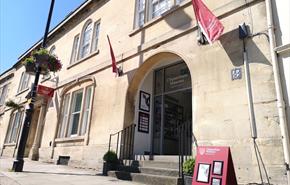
pixel 155 43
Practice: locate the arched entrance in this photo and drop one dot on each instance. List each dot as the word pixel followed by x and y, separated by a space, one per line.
pixel 160 100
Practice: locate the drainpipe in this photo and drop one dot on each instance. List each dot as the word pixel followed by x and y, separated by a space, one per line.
pixel 278 87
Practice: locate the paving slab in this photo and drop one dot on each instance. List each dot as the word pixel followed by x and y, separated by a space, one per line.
pixel 38 173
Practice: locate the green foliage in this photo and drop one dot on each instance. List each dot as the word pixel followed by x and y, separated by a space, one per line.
pixel 41 51
pixel 110 157
pixel 188 166
pixel 12 104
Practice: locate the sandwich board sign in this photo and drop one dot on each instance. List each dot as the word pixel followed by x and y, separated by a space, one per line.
pixel 214 166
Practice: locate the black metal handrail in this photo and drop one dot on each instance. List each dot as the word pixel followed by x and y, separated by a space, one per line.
pixel 124 142
pixel 184 145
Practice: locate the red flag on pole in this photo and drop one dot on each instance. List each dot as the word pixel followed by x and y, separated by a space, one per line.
pixel 114 66
pixel 211 27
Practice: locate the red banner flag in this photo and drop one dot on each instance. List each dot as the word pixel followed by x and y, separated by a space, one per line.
pixel 114 66
pixel 211 27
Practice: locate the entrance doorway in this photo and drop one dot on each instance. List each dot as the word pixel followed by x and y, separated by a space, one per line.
pixel 172 107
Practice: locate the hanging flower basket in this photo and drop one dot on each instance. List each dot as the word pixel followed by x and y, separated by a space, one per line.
pixel 46 62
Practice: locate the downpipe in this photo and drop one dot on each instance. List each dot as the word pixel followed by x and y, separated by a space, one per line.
pixel 278 88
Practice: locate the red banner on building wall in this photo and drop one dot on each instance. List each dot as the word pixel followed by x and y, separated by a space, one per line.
pixel 45 91
pixel 214 166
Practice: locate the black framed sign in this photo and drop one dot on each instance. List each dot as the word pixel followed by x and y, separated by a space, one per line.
pixel 143 122
pixel 144 101
pixel 217 167
pixel 203 173
pixel 216 181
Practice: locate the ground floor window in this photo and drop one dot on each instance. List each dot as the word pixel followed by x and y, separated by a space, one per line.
pixel 14 127
pixel 76 109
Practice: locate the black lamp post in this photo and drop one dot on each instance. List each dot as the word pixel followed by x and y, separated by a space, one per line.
pixel 18 162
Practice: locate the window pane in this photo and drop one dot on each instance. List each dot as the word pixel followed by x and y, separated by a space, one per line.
pixel 140 19
pixel 86 40
pixel 159 6
pixel 96 36
pixel 64 116
pixel 75 113
pixel 15 122
pixel 24 81
pixel 74 50
pixel 177 77
pixel 86 110
pixel 3 92
pixel 75 123
pixel 159 81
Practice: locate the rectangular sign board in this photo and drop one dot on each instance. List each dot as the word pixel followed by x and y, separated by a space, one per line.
pixel 214 166
pixel 45 91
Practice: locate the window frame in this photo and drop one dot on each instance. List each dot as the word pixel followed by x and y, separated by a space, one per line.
pixel 21 86
pixel 96 36
pixel 3 93
pixel 148 10
pixel 80 50
pixel 11 127
pixel 75 49
pixel 65 128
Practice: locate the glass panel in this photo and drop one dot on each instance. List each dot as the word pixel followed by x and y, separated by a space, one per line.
pixel 86 110
pixel 159 81
pixel 159 7
pixel 65 116
pixel 96 39
pixel 177 110
pixel 3 93
pixel 75 123
pixel 157 125
pixel 177 77
pixel 85 49
pixel 75 114
pixel 74 50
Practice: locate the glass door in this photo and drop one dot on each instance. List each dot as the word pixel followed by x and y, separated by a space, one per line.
pixel 172 107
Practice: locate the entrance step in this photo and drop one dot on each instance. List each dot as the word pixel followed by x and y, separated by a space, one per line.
pixel 160 171
pixel 146 178
pixel 149 172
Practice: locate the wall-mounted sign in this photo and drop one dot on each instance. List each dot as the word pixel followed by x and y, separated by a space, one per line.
pixel 236 73
pixel 144 101
pixel 45 91
pixel 143 122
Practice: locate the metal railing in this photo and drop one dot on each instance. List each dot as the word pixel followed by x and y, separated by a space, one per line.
pixel 124 142
pixel 185 144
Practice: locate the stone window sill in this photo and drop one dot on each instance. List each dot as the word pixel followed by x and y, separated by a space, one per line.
pixel 22 91
pixel 83 59
pixel 9 144
pixel 159 18
pixel 70 139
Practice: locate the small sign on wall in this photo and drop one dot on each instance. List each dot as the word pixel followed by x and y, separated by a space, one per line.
pixel 236 73
pixel 143 122
pixel 144 101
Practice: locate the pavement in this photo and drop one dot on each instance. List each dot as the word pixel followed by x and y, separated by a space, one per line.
pixel 39 173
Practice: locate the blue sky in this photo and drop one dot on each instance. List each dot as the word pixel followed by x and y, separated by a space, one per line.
pixel 22 24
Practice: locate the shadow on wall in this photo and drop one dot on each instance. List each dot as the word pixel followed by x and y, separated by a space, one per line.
pixel 178 20
pixel 234 48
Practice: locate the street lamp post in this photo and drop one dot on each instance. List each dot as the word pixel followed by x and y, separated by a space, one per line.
pixel 19 162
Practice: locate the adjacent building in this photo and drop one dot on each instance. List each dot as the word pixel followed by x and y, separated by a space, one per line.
pixel 167 79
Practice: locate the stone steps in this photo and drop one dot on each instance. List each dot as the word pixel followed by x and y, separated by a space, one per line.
pixel 149 179
pixel 149 172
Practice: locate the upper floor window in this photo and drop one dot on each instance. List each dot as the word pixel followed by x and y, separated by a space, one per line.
pixel 52 50
pixel 149 9
pixel 3 93
pixel 24 81
pixel 75 114
pixel 86 40
pixel 14 127
pixel 96 36
pixel 75 49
